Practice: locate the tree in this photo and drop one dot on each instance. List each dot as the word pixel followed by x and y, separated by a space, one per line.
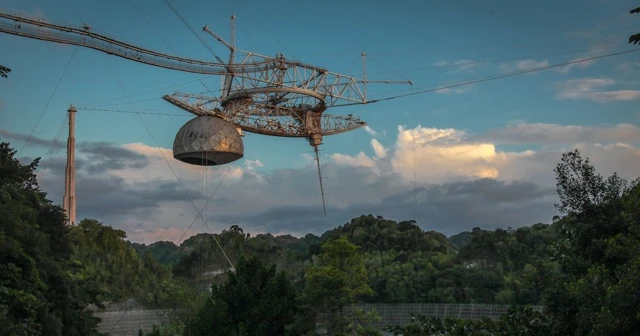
pixel 255 300
pixel 635 38
pixel 4 71
pixel 38 295
pixel 337 278
pixel 597 253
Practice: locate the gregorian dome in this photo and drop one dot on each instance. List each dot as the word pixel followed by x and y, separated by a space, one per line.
pixel 208 141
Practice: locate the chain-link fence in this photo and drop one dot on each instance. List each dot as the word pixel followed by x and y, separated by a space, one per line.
pixel 120 321
pixel 401 313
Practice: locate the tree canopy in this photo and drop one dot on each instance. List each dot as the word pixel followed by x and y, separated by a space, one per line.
pixel 39 295
pixel 635 38
pixel 256 300
pixel 4 71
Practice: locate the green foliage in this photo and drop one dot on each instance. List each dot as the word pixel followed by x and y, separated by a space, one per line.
pixel 518 321
pixel 4 71
pixel 379 234
pixel 166 253
pixel 37 293
pixel 115 272
pixel 360 323
pixel 635 38
pixel 597 253
pixel 337 278
pixel 175 328
pixel 255 300
pixel 461 239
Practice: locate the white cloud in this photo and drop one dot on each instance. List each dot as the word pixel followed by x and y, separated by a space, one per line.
pixel 582 62
pixel 358 160
pixel 438 155
pixel 524 65
pixel 461 65
pixel 379 149
pixel 590 89
pixel 431 175
pixel 547 134
pixel 370 130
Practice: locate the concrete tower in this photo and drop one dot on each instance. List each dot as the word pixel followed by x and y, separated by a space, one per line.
pixel 69 202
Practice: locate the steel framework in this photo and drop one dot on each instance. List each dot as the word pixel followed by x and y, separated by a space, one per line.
pixel 261 94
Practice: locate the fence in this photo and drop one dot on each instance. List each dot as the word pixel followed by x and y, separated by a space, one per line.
pixel 400 313
pixel 128 322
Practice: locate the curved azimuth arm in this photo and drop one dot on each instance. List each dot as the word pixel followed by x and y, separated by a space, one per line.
pixel 41 30
pixel 260 114
pixel 253 71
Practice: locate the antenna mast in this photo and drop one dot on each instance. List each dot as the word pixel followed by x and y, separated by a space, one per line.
pixel 69 202
pixel 364 73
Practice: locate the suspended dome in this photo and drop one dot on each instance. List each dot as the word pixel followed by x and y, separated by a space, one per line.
pixel 208 141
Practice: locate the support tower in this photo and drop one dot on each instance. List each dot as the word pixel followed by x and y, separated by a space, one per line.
pixel 69 202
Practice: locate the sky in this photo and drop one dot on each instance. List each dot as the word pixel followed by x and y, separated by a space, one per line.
pixel 479 155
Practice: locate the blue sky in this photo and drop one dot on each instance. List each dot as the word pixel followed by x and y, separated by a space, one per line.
pixel 416 40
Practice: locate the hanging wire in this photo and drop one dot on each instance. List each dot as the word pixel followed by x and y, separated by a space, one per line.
pixel 490 78
pixel 149 91
pixel 133 112
pixel 55 89
pixel 51 156
pixel 165 41
pixel 499 60
pixel 266 30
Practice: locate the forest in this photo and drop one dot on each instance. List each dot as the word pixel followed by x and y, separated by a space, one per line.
pixel 583 267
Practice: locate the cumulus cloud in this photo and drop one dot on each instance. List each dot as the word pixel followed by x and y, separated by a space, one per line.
pixel 591 89
pixel 524 65
pixel 379 149
pixel 446 179
pixel 461 65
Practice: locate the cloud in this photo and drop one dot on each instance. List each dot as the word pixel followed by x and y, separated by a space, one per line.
pixel 454 90
pixel 524 65
pixel 447 208
pixel 582 62
pixel 628 67
pixel 461 65
pixel 549 134
pixel 33 140
pixel 446 179
pixel 370 130
pixel 379 149
pixel 590 89
pixel 101 156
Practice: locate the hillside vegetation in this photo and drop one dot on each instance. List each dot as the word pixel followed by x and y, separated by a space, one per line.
pixel 584 268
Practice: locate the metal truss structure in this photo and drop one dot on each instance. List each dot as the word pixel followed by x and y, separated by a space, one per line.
pixel 261 94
